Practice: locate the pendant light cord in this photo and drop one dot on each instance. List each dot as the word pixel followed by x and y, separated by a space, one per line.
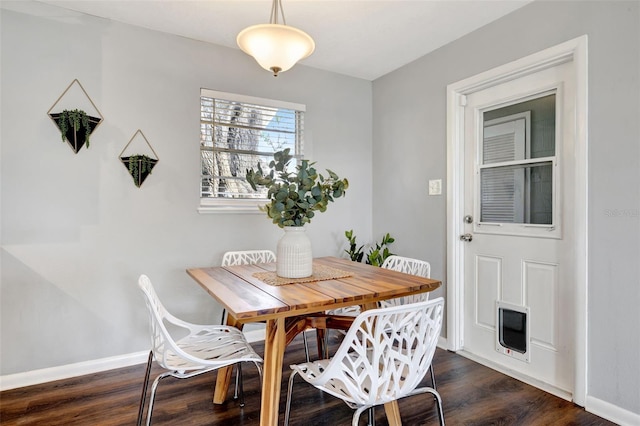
pixel 275 8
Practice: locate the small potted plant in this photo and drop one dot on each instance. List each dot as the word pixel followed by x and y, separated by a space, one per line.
pixel 75 127
pixel 376 255
pixel 294 198
pixel 139 166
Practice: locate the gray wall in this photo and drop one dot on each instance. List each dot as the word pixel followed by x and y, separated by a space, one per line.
pixel 76 232
pixel 409 116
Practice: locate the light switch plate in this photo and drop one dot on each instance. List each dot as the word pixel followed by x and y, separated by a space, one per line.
pixel 435 187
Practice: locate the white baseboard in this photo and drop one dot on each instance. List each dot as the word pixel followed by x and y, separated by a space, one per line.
pixel 443 343
pixel 35 377
pixel 611 412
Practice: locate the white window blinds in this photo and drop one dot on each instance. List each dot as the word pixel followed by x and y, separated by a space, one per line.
pixel 237 133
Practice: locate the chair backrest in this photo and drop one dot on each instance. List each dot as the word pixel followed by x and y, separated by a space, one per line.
pixel 248 257
pixel 410 266
pixel 162 344
pixel 385 354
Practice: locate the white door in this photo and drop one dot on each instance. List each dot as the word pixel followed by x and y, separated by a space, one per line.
pixel 518 267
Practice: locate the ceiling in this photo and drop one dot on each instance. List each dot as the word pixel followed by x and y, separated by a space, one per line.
pixel 361 38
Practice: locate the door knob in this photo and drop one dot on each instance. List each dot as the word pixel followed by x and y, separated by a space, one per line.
pixel 466 237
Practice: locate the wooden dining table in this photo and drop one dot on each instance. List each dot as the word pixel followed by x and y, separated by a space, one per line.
pixel 287 308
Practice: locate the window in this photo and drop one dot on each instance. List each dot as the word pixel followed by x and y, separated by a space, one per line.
pixel 236 133
pixel 518 157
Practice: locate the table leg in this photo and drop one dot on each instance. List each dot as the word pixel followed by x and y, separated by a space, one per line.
pixel 222 385
pixel 223 378
pixel 274 345
pixel 393 413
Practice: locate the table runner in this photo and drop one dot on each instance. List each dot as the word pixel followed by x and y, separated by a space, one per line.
pixel 320 273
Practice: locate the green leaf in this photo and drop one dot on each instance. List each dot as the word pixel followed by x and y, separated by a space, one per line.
pixel 294 197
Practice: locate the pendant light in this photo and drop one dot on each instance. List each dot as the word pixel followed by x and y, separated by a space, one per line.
pixel 276 47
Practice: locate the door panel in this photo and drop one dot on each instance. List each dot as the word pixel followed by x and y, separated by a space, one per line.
pixel 488 282
pixel 541 283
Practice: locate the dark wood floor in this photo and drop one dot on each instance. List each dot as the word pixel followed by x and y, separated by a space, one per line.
pixel 472 395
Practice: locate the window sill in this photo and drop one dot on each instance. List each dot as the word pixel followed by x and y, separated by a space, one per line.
pixel 231 206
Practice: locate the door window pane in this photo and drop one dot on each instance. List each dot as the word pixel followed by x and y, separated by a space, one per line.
pixel 517 163
pixel 517 194
pixel 542 123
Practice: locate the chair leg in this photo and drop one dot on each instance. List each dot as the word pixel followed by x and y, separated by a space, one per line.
pixel 144 389
pixel 326 345
pixel 259 367
pixel 241 384
pixel 306 345
pixel 239 391
pixel 287 411
pixel 356 415
pixel 433 377
pixel 438 399
pixel 372 416
pixel 154 387
pixel 320 333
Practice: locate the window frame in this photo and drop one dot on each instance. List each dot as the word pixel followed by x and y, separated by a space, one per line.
pixel 209 205
pixel 553 230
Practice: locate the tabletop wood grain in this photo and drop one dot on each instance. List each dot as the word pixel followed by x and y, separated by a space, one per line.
pixel 248 298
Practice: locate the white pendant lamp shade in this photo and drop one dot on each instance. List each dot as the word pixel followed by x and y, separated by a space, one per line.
pixel 276 47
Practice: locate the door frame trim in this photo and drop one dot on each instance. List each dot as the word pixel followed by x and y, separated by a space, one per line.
pixel 574 51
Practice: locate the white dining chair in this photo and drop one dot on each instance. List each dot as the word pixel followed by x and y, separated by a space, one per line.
pixel 250 257
pixel 383 358
pixel 245 257
pixel 410 266
pixel 204 348
pixel 403 264
pixel 420 268
pixel 394 262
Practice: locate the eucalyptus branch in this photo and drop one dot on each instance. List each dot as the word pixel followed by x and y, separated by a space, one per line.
pixel 295 197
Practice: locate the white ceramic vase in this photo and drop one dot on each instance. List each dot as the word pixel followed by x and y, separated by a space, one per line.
pixel 294 258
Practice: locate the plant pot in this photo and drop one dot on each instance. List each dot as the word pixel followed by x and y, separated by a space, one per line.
pixel 294 257
pixel 140 172
pixel 78 138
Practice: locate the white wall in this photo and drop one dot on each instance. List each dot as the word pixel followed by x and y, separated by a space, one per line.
pixel 410 134
pixel 76 233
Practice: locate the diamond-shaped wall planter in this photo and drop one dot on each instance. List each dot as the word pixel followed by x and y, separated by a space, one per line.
pixel 74 124
pixel 139 166
pixel 77 137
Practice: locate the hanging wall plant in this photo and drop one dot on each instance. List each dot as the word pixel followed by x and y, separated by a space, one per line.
pixel 75 127
pixel 139 166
